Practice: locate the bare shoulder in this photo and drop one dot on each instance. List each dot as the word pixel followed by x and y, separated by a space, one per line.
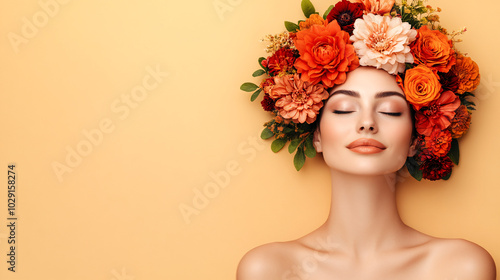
pixel 268 261
pixel 464 259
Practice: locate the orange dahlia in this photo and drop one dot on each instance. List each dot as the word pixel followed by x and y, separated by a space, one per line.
pixel 298 100
pixel 325 54
pixel 467 72
pixel 461 122
pixel 432 48
pixel 312 20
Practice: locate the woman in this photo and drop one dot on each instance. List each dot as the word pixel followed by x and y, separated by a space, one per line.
pixel 392 91
pixel 365 135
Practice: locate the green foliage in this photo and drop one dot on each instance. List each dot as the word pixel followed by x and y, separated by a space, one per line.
pixel 454 153
pixel 258 73
pixel 310 151
pixel 413 167
pixel 293 145
pixel 299 159
pixel 291 27
pixel 266 133
pixel 471 106
pixel 278 144
pixel 327 11
pixel 249 87
pixel 255 95
pixel 307 8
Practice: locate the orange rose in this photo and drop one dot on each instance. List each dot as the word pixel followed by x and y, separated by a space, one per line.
pixel 325 54
pixel 380 7
pixel 421 86
pixel 467 72
pixel 432 48
pixel 312 20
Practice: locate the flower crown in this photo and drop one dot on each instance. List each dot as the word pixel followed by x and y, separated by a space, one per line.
pixel 404 39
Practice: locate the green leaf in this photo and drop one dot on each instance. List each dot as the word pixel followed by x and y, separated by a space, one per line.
pixel 290 26
pixel 255 95
pixel 413 168
pixel 259 72
pixel 310 150
pixel 278 144
pixel 307 8
pixel 327 11
pixel 293 145
pixel 249 87
pixel 454 153
pixel 299 159
pixel 266 133
pixel 447 176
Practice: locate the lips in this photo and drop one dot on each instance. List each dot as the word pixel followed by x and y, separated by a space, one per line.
pixel 366 146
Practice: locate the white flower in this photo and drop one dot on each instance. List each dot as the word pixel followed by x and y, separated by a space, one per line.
pixel 383 42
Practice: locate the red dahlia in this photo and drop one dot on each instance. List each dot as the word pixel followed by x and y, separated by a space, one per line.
pixel 436 168
pixel 346 13
pixel 281 61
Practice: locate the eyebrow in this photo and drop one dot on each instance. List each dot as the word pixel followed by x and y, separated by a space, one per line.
pixel 356 94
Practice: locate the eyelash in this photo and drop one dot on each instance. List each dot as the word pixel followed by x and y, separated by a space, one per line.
pixel 392 114
pixel 341 112
pixel 397 114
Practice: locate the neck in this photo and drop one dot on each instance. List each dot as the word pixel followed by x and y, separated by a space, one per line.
pixel 363 214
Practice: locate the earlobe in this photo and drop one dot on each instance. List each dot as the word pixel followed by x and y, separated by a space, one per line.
pixel 317 141
pixel 413 147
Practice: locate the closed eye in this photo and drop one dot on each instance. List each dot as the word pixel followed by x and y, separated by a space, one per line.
pixel 342 112
pixel 396 114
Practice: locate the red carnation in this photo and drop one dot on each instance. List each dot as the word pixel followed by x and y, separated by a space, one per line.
pixel 281 61
pixel 438 113
pixel 436 168
pixel 267 103
pixel 345 13
pixel 437 144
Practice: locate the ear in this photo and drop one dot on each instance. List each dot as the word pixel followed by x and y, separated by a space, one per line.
pixel 413 147
pixel 317 141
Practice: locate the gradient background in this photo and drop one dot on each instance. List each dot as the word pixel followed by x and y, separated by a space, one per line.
pixel 116 213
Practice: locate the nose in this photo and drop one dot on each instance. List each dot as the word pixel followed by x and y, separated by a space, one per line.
pixel 367 124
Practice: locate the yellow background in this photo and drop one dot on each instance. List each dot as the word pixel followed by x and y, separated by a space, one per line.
pixel 116 213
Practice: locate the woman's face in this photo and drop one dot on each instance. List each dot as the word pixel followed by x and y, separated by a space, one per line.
pixel 366 125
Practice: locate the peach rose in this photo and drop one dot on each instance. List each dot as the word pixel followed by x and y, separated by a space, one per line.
pixel 380 7
pixel 421 86
pixel 467 72
pixel 432 48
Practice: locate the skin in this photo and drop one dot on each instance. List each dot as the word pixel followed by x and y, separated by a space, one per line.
pixel 364 236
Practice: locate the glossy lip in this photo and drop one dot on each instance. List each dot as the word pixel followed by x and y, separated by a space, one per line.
pixel 366 146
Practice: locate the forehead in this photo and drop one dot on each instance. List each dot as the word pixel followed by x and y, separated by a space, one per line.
pixel 369 81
